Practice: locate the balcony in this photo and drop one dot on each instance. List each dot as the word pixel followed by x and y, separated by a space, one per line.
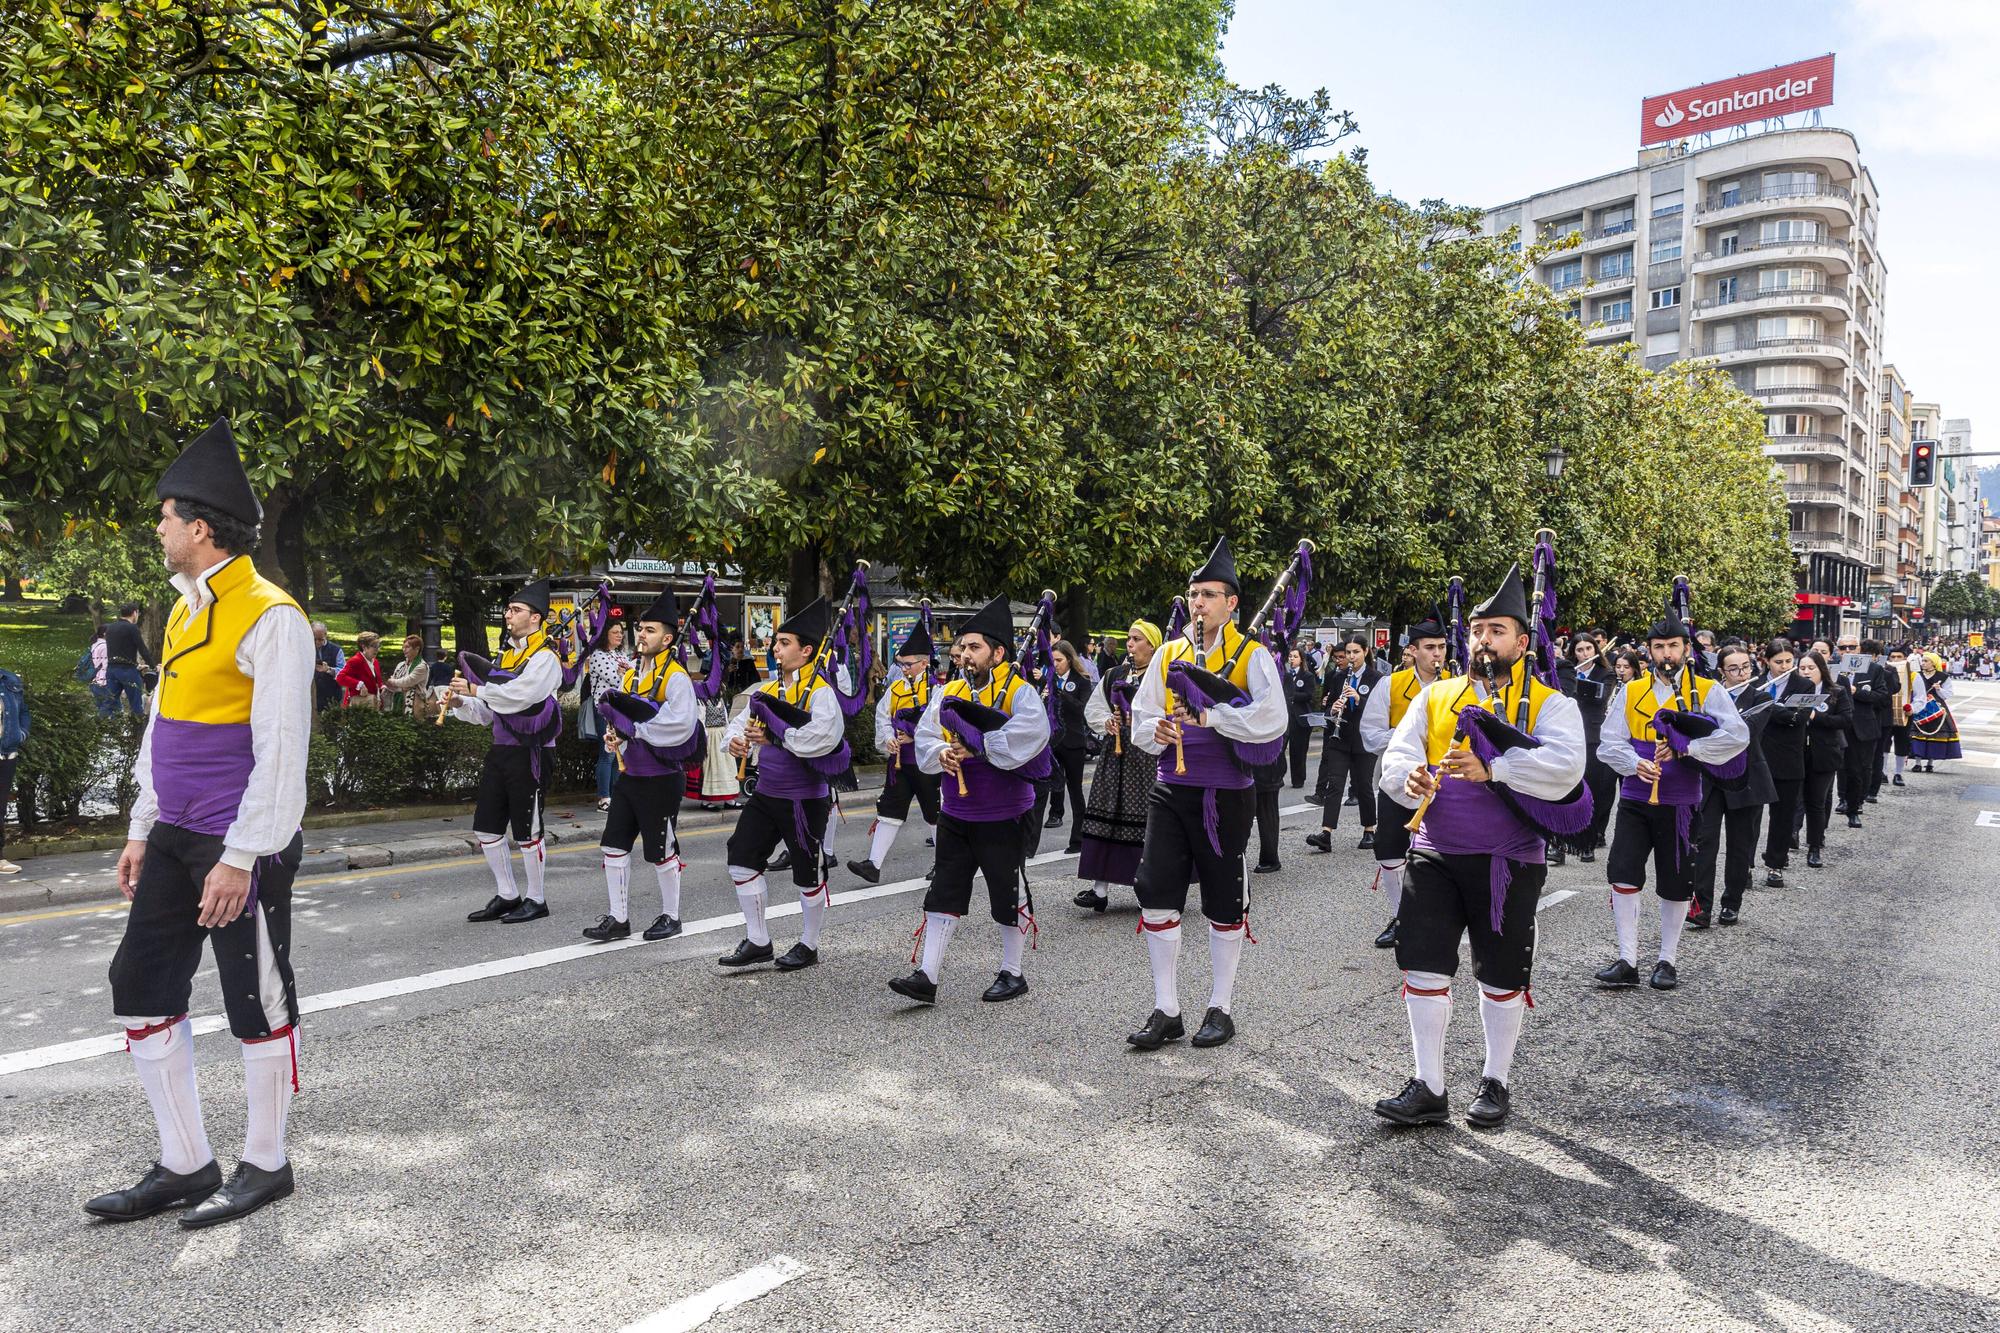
pixel 1824 397
pixel 1666 273
pixel 1829 251
pixel 1817 351
pixel 1815 493
pixel 1834 202
pixel 1621 328
pixel 1806 448
pixel 1817 300
pixel 1611 282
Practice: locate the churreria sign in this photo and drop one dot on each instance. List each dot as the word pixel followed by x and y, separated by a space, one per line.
pixel 1714 106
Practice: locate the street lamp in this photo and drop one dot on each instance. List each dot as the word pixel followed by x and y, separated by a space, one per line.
pixel 1555 460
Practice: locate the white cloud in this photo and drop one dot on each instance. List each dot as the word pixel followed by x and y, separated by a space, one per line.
pixel 1927 67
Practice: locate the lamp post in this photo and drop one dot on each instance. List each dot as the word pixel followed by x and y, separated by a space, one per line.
pixel 1554 461
pixel 1927 576
pixel 429 622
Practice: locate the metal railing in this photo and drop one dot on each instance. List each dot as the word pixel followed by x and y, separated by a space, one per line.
pixel 1759 193
pixel 1625 228
pixel 1760 293
pixel 1712 348
pixel 1814 490
pixel 1805 441
pixel 1748 247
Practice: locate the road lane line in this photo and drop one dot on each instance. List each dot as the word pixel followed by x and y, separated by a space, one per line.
pixel 87 1048
pixel 698 1309
pixel 1551 899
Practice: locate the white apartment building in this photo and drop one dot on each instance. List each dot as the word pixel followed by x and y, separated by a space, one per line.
pixel 1893 587
pixel 1757 253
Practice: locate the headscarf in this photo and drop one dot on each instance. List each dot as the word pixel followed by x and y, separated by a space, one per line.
pixel 1149 631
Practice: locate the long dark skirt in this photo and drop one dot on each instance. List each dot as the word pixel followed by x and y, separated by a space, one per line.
pixel 1114 818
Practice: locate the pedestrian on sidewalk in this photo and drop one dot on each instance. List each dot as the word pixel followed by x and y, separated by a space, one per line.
pixel 327 662
pixel 409 683
pixel 13 734
pixel 604 670
pixel 124 649
pixel 360 676
pixel 213 845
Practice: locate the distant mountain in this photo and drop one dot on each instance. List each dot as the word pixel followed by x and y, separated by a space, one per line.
pixel 1989 486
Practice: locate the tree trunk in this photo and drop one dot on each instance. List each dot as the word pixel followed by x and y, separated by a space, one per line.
pixel 804 579
pixel 469 604
pixel 12 590
pixel 281 555
pixel 1073 611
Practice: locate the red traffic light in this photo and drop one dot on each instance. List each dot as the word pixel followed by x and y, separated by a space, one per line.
pixel 1923 463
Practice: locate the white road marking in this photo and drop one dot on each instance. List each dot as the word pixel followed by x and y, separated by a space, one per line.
pixel 87 1048
pixel 1551 899
pixel 703 1306
pixel 1988 819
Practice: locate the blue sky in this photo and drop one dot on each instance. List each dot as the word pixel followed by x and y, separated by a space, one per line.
pixel 1480 103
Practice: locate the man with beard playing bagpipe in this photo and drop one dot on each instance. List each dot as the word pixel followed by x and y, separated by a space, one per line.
pixel 1666 734
pixel 1212 708
pixel 987 733
pixel 903 702
pixel 515 696
pixel 1114 819
pixel 796 723
pixel 1385 711
pixel 653 726
pixel 1495 764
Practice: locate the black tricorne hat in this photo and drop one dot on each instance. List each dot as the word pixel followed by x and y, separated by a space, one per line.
pixel 535 596
pixel 1511 599
pixel 210 472
pixel 1221 567
pixel 993 622
pixel 1668 627
pixel 809 623
pixel 665 611
pixel 1426 629
pixel 917 643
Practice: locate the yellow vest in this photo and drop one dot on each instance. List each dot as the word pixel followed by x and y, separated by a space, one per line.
pixel 654 686
pixel 512 659
pixel 1640 706
pixel 999 691
pixel 799 692
pixel 1448 698
pixel 1404 687
pixel 1183 650
pixel 199 678
pixel 904 693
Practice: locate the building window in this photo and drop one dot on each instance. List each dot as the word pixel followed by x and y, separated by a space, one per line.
pixel 1723 339
pixel 1779 184
pixel 1788 375
pixel 1614 266
pixel 1565 275
pixel 1725 244
pixel 1614 312
pixel 1556 231
pixel 1665 299
pixel 1574 311
pixel 1784 231
pixel 1729 194
pixel 1787 326
pixel 1667 203
pixel 1615 221
pixel 1665 248
pixel 1724 290
pixel 1790 280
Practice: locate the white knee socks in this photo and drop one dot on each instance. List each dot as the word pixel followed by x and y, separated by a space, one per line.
pixel 1427 997
pixel 494 846
pixel 938 930
pixel 1625 916
pixel 1162 930
pixel 1672 917
pixel 1392 884
pixel 1500 1014
pixel 669 875
pixel 1014 938
pixel 750 896
pixel 812 907
pixel 164 1060
pixel 618 882
pixel 1225 950
pixel 270 1075
pixel 882 838
pixel 531 857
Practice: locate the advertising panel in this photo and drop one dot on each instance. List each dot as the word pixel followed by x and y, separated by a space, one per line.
pixel 1800 86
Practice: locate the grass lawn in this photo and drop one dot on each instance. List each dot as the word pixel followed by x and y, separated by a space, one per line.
pixel 39 643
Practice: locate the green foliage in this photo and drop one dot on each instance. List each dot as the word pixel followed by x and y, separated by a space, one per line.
pixel 1177 37
pixel 104 563
pixel 41 644
pixel 72 755
pixel 359 757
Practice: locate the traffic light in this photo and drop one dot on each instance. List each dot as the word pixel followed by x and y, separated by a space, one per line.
pixel 1923 463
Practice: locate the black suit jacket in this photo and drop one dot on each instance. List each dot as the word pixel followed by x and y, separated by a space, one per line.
pixel 1784 745
pixel 1758 787
pixel 1874 692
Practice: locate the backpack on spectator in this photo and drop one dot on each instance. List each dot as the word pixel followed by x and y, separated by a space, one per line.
pixel 13 713
pixel 86 669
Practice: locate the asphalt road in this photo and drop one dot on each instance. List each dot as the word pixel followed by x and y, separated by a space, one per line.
pixel 1800 1137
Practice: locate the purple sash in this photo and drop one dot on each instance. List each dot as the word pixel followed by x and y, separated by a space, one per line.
pixel 200 772
pixel 990 793
pixel 1680 780
pixel 1211 762
pixel 1470 819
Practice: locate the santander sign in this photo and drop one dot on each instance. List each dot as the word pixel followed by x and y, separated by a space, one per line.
pixel 1747 97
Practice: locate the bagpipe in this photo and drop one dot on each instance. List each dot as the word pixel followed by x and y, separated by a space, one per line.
pixel 903 721
pixel 846 643
pixel 1542 607
pixel 967 722
pixel 701 629
pixel 1457 642
pixel 576 633
pixel 1200 689
pixel 1680 607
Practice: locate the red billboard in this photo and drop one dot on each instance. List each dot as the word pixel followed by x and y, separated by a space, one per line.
pixel 1715 106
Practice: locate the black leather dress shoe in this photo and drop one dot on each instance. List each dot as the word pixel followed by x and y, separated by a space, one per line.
pixel 1159 1030
pixel 158 1190
pixel 1074 847
pixel 1618 972
pixel 1854 821
pixel 1556 855
pixel 1006 986
pixel 796 957
pixel 1664 977
pixel 1092 899
pixel 1321 841
pixel 1266 868
pixel 1489 1109
pixel 1054 820
pixel 1387 939
pixel 1813 859
pixel 496 907
pixel 1588 856
pixel 1416 1104
pixel 782 861
pixel 1896 781
pixel 1216 1028
pixel 663 928
pixel 1795 842
pixel 1352 800
pixel 526 910
pixel 1726 917
pixel 248 1190
pixel 867 870
pixel 917 986
pixel 1367 839
pixel 746 953
pixel 608 927
pixel 1774 879
pixel 1873 800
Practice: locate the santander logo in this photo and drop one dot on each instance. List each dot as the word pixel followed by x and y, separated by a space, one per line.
pixel 1766 94
pixel 1670 117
